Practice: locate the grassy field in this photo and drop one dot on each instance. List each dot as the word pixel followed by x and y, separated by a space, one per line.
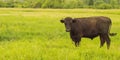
pixel 37 34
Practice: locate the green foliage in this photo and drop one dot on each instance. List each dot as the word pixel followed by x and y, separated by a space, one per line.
pixel 2 4
pixel 103 6
pixel 69 4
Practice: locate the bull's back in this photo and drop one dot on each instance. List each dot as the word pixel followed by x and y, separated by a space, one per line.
pixel 92 26
pixel 92 22
pixel 103 24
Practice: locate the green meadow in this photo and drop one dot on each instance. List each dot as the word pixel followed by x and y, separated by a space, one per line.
pixel 37 34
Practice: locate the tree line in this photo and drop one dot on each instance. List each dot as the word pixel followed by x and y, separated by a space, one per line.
pixel 63 4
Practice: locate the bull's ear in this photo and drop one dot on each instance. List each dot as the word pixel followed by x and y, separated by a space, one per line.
pixel 62 21
pixel 73 21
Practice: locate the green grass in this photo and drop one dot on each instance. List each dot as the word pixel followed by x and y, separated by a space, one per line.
pixel 37 34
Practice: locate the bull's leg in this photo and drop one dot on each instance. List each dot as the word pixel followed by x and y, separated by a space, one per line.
pixel 102 41
pixel 76 40
pixel 108 41
pixel 76 44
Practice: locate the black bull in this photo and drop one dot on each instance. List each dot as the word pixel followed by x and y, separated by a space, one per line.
pixel 89 27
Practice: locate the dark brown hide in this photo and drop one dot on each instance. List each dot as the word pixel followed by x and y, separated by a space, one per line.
pixel 89 27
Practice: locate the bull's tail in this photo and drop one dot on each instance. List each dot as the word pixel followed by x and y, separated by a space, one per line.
pixel 112 34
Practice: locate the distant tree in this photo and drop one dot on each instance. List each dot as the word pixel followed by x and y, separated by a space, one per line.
pixel 2 4
pixel 107 1
pixel 10 4
pixel 47 4
pixel 101 4
pixel 91 2
pixel 28 3
pixel 38 4
pixel 70 4
pixel 58 3
pixel 118 2
pixel 80 4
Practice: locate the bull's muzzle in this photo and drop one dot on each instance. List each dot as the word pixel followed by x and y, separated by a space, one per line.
pixel 68 30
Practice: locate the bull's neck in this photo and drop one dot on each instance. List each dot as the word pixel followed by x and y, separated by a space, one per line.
pixel 74 27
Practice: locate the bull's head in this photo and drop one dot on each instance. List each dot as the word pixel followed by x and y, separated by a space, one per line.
pixel 68 22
